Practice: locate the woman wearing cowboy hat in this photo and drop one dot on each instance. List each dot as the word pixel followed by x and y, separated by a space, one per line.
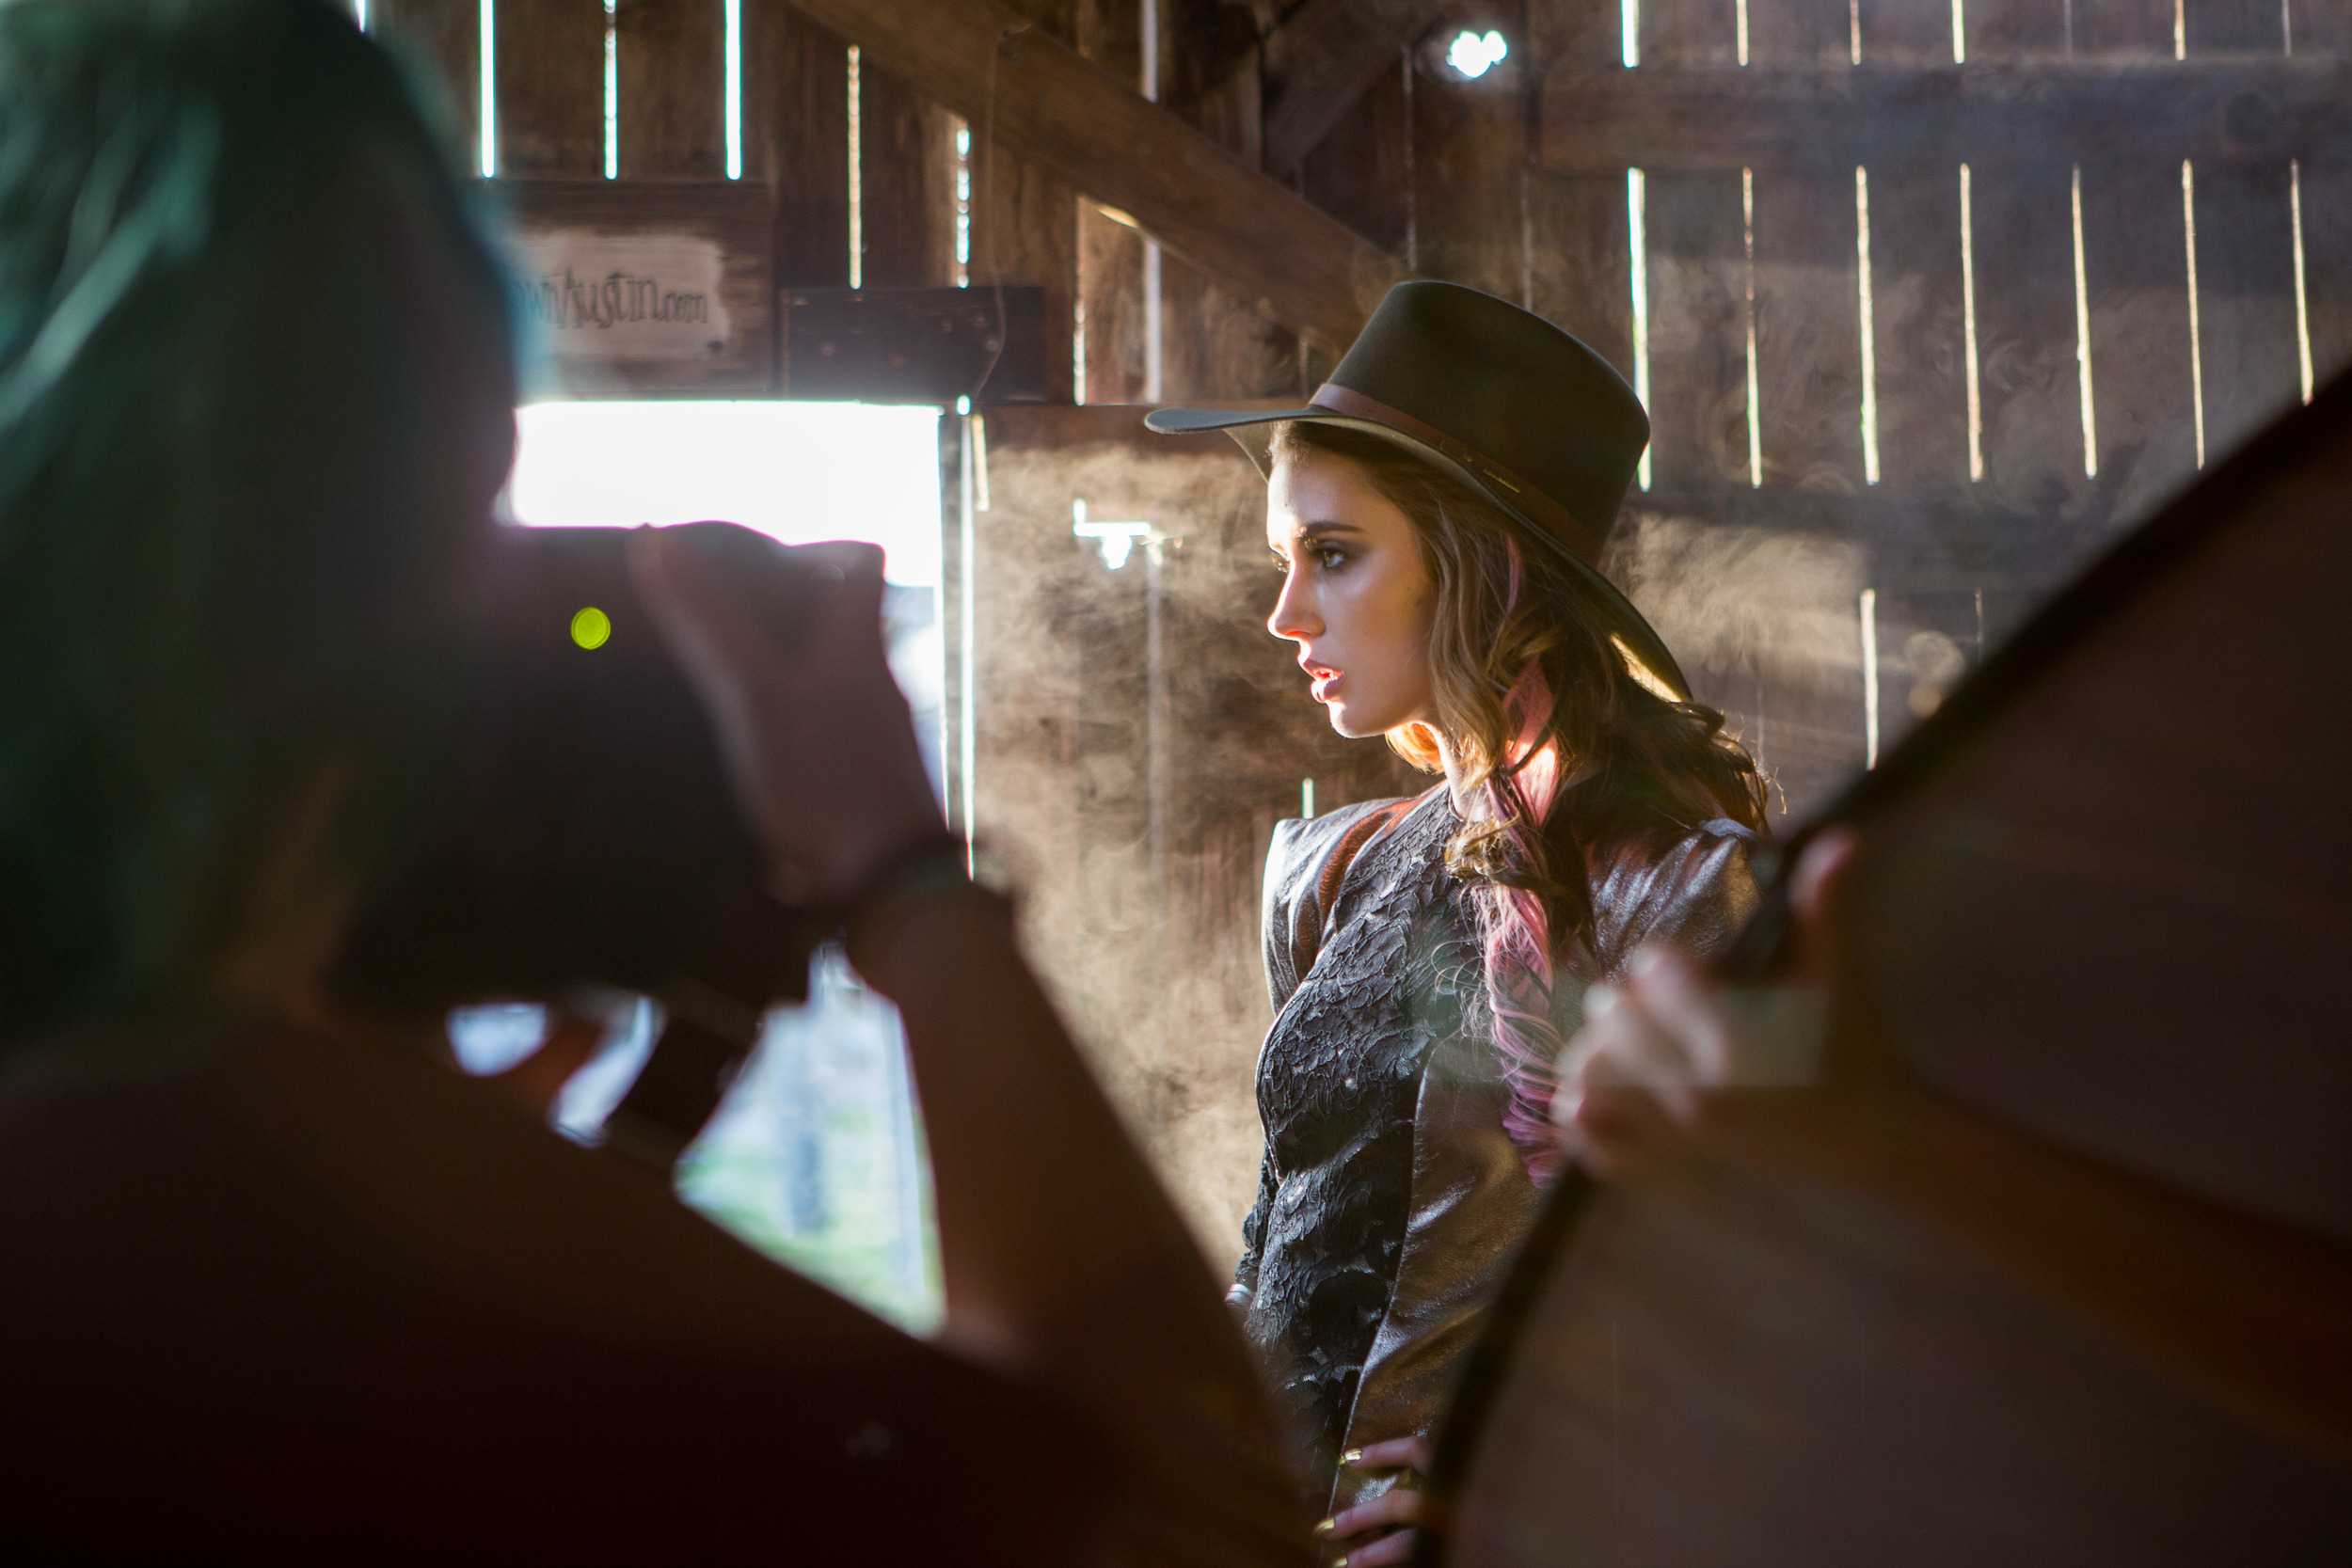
pixel 1437 511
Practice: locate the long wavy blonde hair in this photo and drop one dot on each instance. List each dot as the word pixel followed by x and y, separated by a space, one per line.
pixel 1560 751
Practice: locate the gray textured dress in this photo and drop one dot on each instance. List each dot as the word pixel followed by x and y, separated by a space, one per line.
pixel 1391 1200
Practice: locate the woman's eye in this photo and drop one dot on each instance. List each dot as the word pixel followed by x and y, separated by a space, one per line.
pixel 1281 563
pixel 1330 558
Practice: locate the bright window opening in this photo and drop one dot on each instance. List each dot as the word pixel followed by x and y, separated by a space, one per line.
pixel 816 1156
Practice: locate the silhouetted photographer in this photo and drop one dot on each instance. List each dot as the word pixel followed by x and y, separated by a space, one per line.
pixel 279 782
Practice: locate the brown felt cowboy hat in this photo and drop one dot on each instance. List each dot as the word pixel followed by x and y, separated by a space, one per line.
pixel 1505 402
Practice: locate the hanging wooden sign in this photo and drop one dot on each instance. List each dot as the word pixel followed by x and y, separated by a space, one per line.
pixel 643 288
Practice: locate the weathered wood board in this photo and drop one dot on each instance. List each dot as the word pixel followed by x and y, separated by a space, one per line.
pixel 548 71
pixel 644 288
pixel 796 139
pixel 670 80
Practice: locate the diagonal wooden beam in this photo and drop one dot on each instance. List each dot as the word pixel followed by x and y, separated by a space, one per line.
pixel 1039 99
pixel 1325 58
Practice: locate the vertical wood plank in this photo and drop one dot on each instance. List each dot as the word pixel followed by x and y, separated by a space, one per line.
pixel 2005 30
pixel 2141 30
pixel 2027 338
pixel 1808 344
pixel 906 184
pixel 1578 230
pixel 1111 253
pixel 2234 27
pixel 444 37
pixel 2135 265
pixel 1918 303
pixel 1808 723
pixel 1024 222
pixel 2327 190
pixel 1213 345
pixel 2246 303
pixel 2245 254
pixel 1687 32
pixel 1920 331
pixel 1695 272
pixel 2321 28
pixel 672 80
pixel 550 89
pixel 796 139
pixel 1361 173
pixel 1469 157
pixel 1696 275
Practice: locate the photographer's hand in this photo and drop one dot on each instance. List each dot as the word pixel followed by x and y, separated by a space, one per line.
pixel 817 737
pixel 1638 1080
pixel 1065 1263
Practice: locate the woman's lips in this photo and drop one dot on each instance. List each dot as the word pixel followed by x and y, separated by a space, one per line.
pixel 1324 687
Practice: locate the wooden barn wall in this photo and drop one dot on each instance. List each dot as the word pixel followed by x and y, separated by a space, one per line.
pixel 1849 490
pixel 1928 299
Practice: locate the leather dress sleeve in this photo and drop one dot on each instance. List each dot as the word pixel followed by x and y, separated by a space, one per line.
pixel 1303 866
pixel 1471 1204
pixel 1472 1201
pixel 1697 894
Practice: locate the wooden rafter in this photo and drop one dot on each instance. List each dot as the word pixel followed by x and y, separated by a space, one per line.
pixel 2038 114
pixel 1326 57
pixel 1039 99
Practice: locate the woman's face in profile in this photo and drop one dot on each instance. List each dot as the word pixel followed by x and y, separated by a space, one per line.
pixel 1357 598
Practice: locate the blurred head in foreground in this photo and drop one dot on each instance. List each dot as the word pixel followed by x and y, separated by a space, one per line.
pixel 256 402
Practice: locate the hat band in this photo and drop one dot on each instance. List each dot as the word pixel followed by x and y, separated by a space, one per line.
pixel 1528 499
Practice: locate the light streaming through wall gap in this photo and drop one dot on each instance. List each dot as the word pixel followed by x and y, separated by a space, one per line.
pixel 1968 330
pixel 963 205
pixel 1630 26
pixel 1959 32
pixel 734 89
pixel 1869 618
pixel 1747 242
pixel 2196 335
pixel 2082 336
pixel 857 213
pixel 612 93
pixel 1637 249
pixel 488 113
pixel 2302 304
pixel 1870 353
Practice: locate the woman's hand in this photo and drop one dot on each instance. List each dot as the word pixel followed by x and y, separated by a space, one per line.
pixel 1388 1526
pixel 815 733
pixel 1635 1080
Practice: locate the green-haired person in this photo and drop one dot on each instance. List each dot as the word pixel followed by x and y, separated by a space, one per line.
pixel 281 1284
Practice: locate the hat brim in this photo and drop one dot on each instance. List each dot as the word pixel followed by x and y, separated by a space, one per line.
pixel 1645 652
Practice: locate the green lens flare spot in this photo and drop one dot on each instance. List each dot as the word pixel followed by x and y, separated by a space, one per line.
pixel 591 628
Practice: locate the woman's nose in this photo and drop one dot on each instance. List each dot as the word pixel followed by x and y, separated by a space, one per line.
pixel 1292 617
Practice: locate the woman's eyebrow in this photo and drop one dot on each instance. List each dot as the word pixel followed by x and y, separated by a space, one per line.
pixel 1320 530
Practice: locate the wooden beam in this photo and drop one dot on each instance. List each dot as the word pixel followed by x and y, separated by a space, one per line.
pixel 1918 539
pixel 1326 57
pixel 2036 114
pixel 1039 98
pixel 916 345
